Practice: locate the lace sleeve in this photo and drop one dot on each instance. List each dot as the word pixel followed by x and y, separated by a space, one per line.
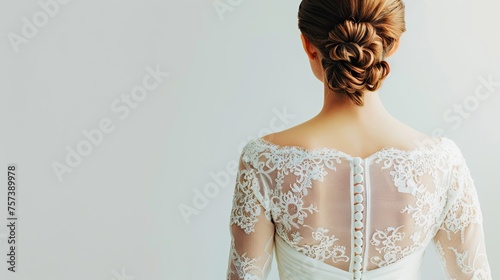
pixel 252 231
pixel 460 239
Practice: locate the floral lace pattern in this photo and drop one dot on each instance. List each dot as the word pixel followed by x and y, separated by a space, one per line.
pixel 386 243
pixel 246 207
pixel 300 195
pixel 247 268
pixel 475 265
pixel 326 249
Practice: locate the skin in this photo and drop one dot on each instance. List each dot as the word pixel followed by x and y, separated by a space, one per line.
pixel 344 126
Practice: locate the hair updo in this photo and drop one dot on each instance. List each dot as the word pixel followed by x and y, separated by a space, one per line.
pixel 353 37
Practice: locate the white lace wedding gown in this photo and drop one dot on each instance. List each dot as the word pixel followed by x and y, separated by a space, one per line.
pixel 329 215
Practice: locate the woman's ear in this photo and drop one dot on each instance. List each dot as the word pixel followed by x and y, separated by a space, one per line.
pixel 314 57
pixel 310 50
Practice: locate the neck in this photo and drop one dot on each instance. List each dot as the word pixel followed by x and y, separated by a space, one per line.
pixel 343 108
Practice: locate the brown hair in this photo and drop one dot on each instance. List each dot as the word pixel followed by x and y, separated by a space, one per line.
pixel 353 37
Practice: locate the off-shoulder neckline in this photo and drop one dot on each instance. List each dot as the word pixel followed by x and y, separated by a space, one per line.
pixel 286 148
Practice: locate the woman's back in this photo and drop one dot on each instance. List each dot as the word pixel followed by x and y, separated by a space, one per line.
pixel 337 216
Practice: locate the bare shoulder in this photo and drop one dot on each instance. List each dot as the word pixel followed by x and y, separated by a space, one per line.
pixel 312 134
pixel 409 137
pixel 302 135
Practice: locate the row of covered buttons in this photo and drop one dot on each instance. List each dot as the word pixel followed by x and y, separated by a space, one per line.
pixel 358 217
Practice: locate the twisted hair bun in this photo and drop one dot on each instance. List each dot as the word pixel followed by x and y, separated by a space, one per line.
pixel 353 37
pixel 355 63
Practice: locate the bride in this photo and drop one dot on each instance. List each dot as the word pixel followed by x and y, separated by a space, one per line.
pixel 353 193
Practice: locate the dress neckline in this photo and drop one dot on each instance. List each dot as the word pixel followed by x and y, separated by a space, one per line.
pixel 431 145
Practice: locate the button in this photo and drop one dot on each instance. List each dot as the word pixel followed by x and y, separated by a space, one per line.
pixel 358 178
pixel 358 242
pixel 358 189
pixel 357 250
pixel 358 198
pixel 359 207
pixel 357 259
pixel 358 216
pixel 358 224
pixel 358 169
pixel 356 160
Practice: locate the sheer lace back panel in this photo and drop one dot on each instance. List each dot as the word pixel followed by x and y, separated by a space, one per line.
pixel 356 214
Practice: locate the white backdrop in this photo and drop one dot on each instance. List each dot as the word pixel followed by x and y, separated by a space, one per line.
pixel 117 113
